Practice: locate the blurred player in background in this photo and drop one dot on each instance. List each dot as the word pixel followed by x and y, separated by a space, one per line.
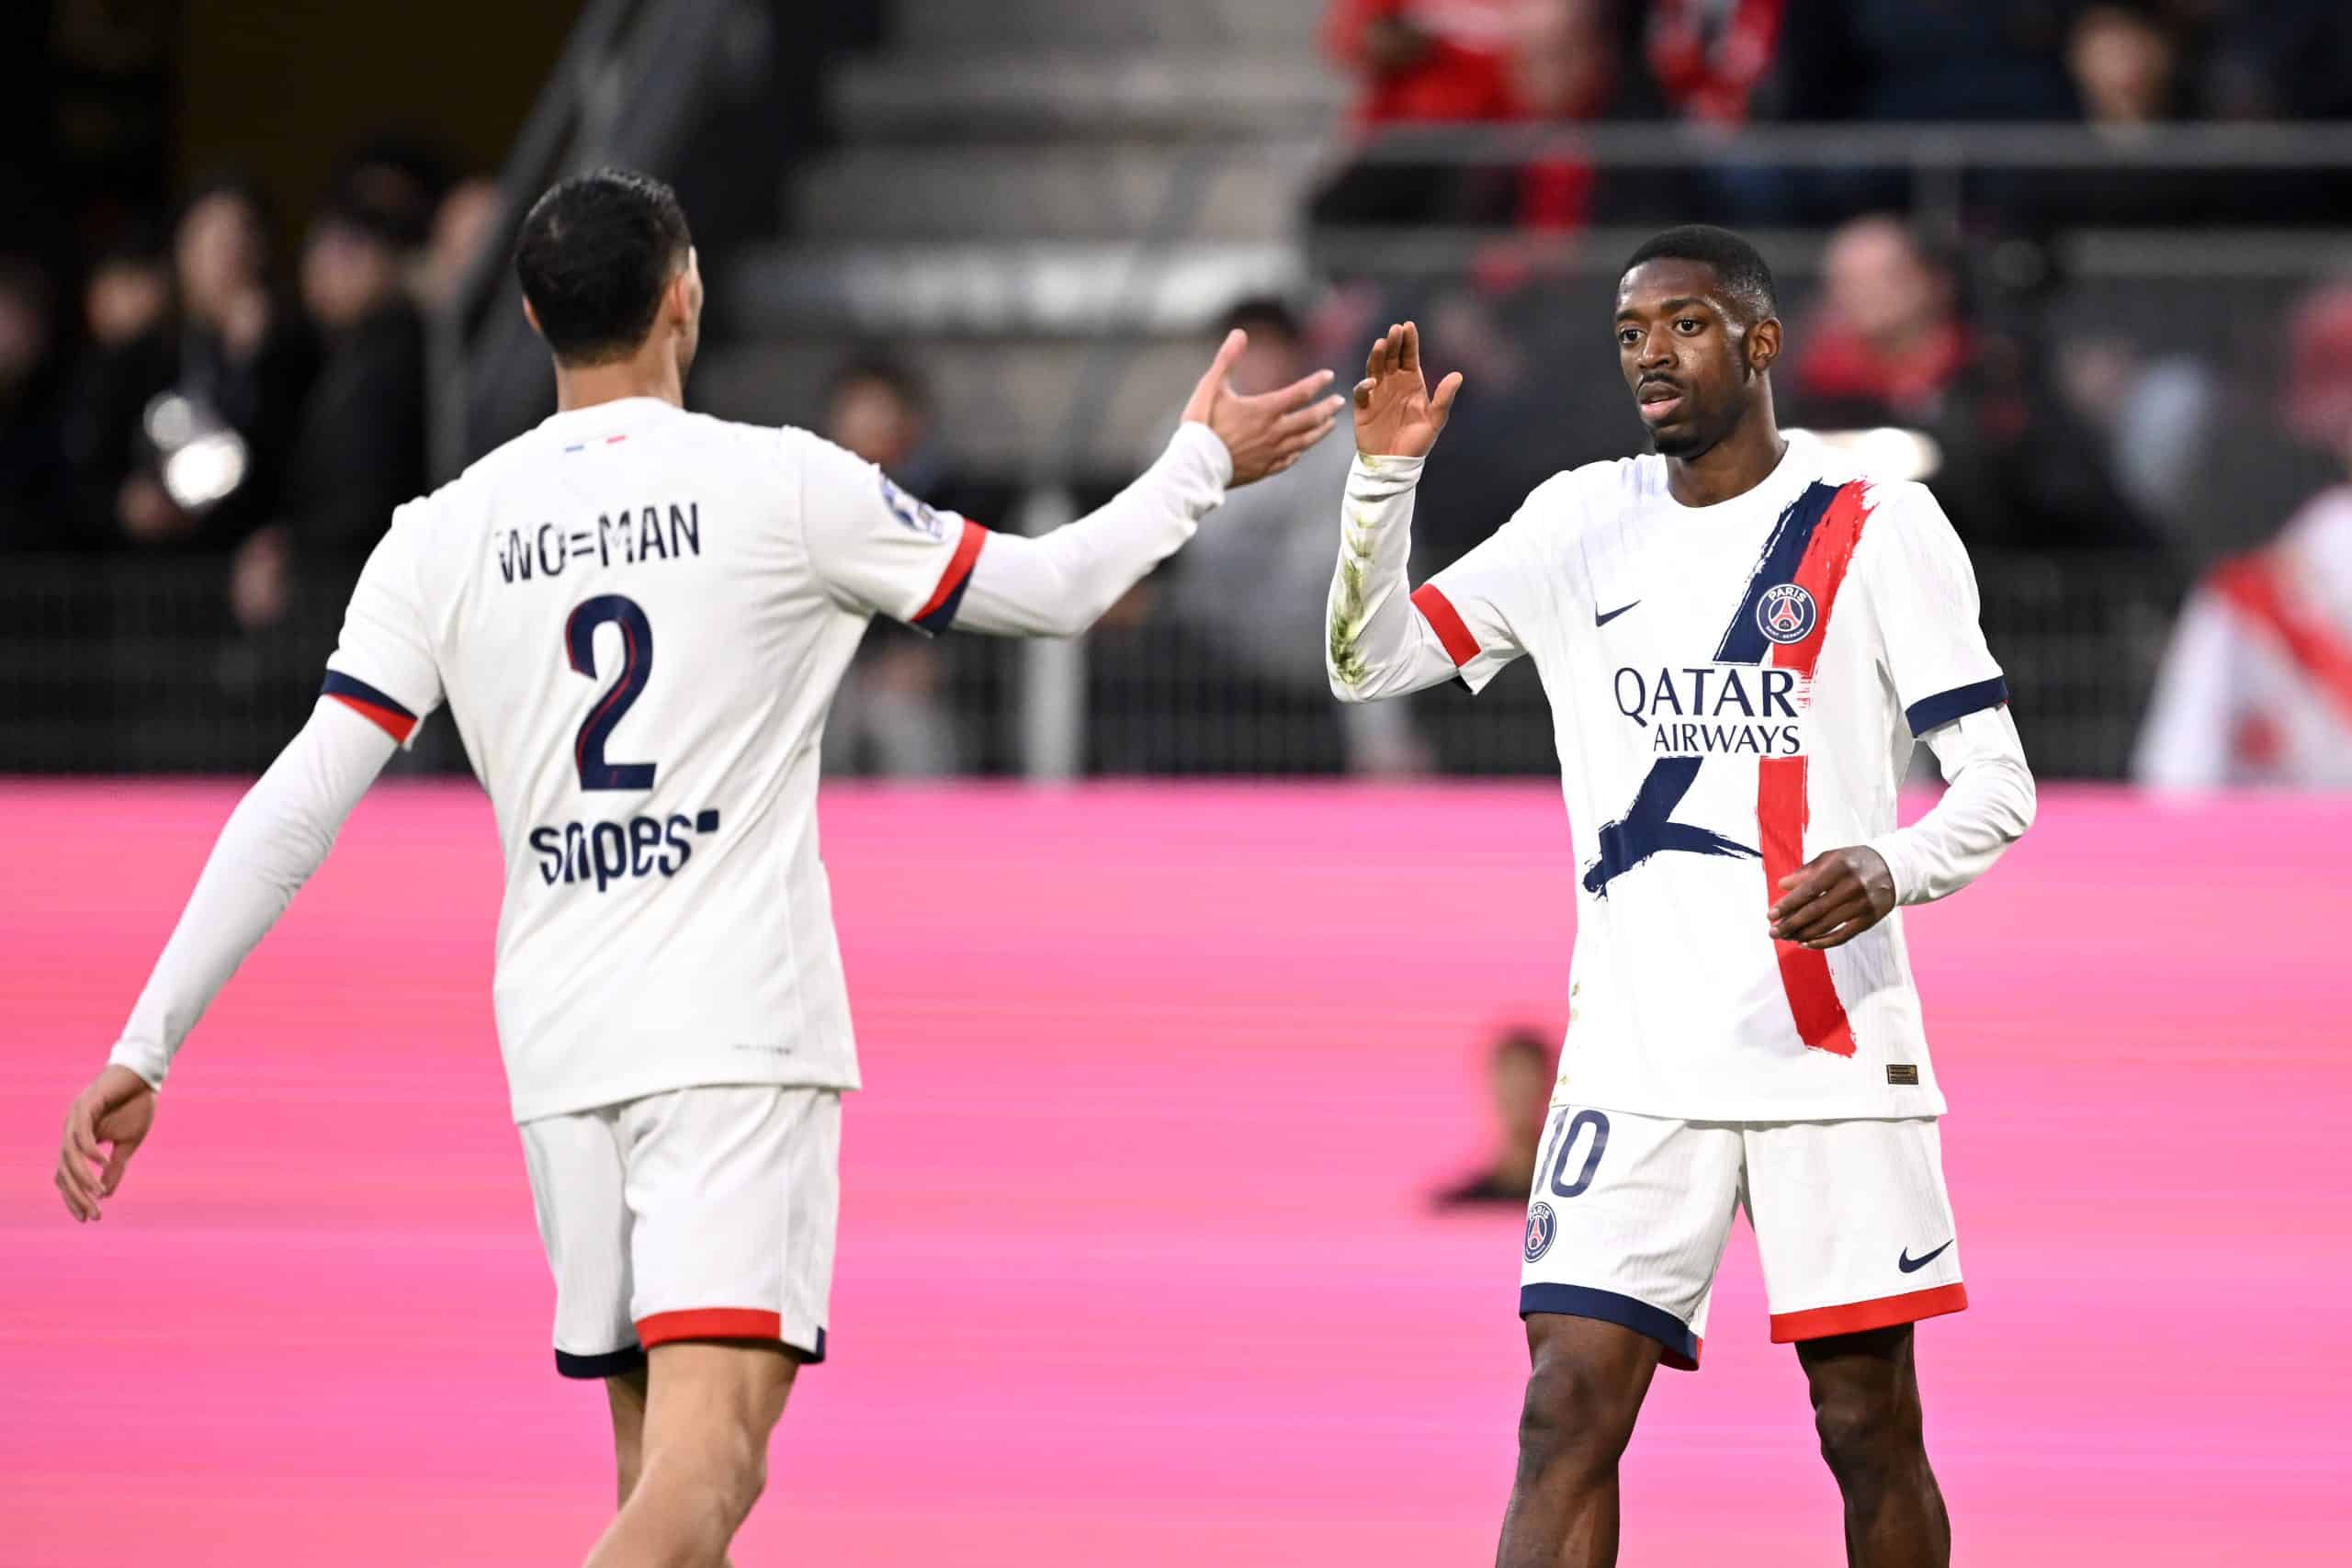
pixel 2257 688
pixel 638 617
pixel 1742 640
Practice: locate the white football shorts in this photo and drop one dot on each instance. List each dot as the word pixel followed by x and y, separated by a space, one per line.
pixel 699 1213
pixel 1629 1216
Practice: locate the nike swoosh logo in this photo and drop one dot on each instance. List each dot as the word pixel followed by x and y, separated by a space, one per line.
pixel 1910 1265
pixel 1601 620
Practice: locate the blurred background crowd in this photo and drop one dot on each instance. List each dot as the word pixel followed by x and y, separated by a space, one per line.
pixel 2084 267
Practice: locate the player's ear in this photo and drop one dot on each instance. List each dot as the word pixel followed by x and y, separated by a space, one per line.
pixel 1763 345
pixel 684 294
pixel 531 316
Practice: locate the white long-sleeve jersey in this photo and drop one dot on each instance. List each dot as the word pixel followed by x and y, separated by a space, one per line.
pixel 638 617
pixel 1734 689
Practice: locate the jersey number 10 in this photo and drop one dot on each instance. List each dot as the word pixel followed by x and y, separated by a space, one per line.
pixel 637 668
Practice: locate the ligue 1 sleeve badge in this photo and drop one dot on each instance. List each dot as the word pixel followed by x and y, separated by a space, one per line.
pixel 1786 614
pixel 1540 1226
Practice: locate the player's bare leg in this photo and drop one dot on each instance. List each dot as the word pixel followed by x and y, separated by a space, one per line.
pixel 1866 1402
pixel 700 1452
pixel 1585 1386
pixel 627 1393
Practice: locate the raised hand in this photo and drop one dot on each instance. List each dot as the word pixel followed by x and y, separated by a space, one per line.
pixel 117 1110
pixel 1268 433
pixel 1833 898
pixel 1396 416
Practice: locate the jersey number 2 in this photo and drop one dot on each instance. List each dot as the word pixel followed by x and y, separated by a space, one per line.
pixel 637 668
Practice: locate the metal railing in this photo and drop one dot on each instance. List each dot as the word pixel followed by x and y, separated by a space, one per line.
pixel 126 666
pixel 623 91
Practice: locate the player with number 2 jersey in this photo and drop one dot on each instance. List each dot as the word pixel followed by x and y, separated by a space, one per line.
pixel 638 617
pixel 1742 637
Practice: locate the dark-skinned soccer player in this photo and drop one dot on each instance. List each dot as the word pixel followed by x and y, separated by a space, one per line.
pixel 1743 638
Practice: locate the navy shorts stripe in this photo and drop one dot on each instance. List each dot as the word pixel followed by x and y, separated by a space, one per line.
pixel 1608 1306
pixel 611 1364
pixel 1929 713
pixel 338 685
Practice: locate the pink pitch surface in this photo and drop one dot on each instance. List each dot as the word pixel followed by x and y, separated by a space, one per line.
pixel 1136 1265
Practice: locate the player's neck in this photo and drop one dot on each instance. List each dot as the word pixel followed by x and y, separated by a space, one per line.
pixel 1732 466
pixel 651 372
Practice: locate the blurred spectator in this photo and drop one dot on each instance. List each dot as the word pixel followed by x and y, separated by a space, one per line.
pixel 33 491
pixel 1449 61
pixel 1897 60
pixel 1249 590
pixel 1707 58
pixel 1924 59
pixel 462 225
pixel 1518 1077
pixel 2279 59
pixel 1890 347
pixel 129 319
pixel 2125 59
pixel 1429 62
pixel 240 366
pixel 359 448
pixel 893 718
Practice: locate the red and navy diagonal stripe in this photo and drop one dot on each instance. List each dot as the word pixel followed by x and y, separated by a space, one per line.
pixel 371 703
pixel 938 611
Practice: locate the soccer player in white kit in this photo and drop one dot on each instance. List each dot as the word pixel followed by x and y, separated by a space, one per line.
pixel 1741 638
pixel 639 616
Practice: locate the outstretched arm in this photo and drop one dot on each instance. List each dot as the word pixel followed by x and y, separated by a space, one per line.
pixel 882 551
pixel 272 842
pixel 1061 583
pixel 1378 642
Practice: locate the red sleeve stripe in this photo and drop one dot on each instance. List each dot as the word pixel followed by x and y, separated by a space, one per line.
pixel 370 705
pixel 1451 634
pixel 938 611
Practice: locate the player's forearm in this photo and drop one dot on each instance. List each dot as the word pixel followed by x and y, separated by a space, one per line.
pixel 1061 583
pixel 1988 803
pixel 272 842
pixel 1376 644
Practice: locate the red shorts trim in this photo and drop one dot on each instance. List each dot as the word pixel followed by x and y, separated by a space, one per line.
pixel 709 1323
pixel 1858 1317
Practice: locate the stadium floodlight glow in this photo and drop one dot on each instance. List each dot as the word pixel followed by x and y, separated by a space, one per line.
pixel 206 471
pixel 1886 451
pixel 171 422
pixel 203 459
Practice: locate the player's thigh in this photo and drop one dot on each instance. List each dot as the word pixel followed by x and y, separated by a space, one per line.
pixel 1627 1222
pixel 715 1403
pixel 578 1192
pixel 735 1192
pixel 1853 1225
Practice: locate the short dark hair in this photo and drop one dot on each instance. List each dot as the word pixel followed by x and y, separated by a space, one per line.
pixel 1737 267
pixel 595 252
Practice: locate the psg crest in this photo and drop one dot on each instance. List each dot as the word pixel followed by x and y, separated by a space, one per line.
pixel 1785 614
pixel 1540 1226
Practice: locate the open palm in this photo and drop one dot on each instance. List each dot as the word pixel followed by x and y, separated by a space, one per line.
pixel 1397 416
